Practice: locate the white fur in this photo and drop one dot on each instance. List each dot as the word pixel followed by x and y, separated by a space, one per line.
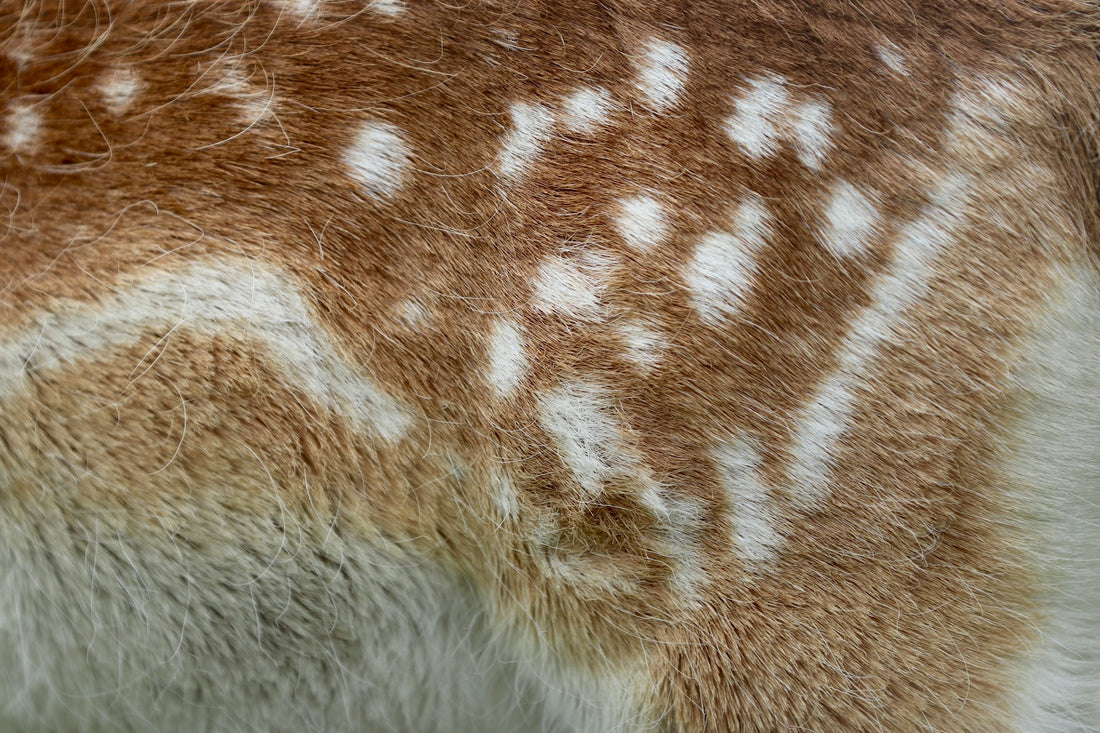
pixel 812 130
pixel 213 624
pixel 299 9
pixel 390 8
pixel 753 124
pixel 412 313
pixel 379 159
pixel 211 298
pixel 507 357
pixel 754 536
pixel 22 128
pixel 586 110
pixel 723 268
pixel 851 220
pixel 581 419
pixel 119 88
pixel 573 287
pixel 641 222
pixel 662 74
pixel 531 128
pixel 1053 457
pixel 644 344
pixel 892 58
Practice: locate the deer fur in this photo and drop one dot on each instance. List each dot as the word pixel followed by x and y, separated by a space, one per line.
pixel 395 365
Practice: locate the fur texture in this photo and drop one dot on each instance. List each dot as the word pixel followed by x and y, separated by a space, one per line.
pixel 728 365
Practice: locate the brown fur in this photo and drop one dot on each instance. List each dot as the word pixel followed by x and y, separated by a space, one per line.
pixel 911 571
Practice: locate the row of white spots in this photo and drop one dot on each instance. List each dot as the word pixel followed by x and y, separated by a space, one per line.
pixel 532 124
pixel 662 75
pixel 23 123
pixel 825 419
pixel 212 299
pixel 765 114
pixel 723 266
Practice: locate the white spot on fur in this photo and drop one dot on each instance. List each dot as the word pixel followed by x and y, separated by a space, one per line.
pixel 299 9
pixel 506 38
pixel 826 417
pixel 119 88
pixel 662 74
pixel 580 418
pixel 851 220
pixel 892 58
pixel 391 8
pixel 411 313
pixel 248 86
pixel 586 110
pixel 753 122
pixel 378 159
pixel 507 357
pixel 23 126
pixel 641 222
pixel 644 345
pixel 573 287
pixel 723 267
pixel 812 129
pixel 215 299
pixel 754 536
pixel 531 127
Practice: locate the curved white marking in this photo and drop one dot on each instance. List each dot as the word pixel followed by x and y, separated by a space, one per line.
pixel 213 299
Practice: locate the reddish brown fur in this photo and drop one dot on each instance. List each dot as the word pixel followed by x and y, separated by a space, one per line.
pixel 874 600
